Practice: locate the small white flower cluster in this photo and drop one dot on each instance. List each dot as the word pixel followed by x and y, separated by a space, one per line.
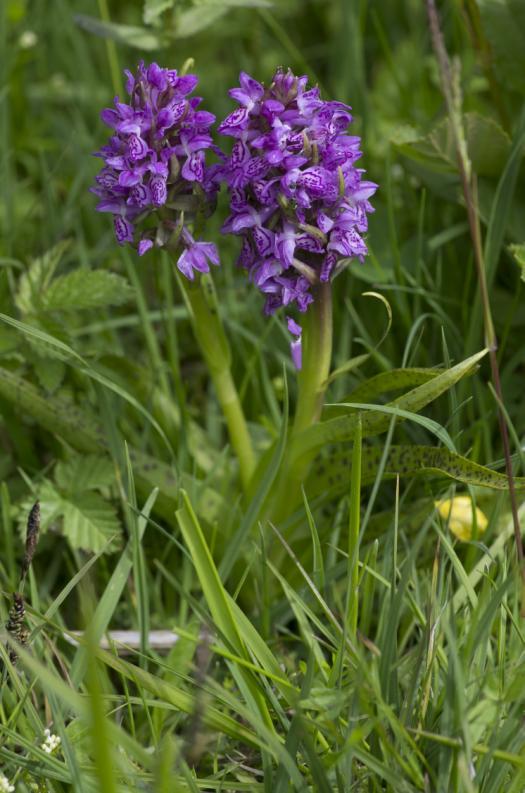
pixel 5 786
pixel 51 743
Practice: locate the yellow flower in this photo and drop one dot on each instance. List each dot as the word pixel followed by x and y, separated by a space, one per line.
pixel 458 512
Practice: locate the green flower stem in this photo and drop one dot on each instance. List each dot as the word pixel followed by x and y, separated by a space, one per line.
pixel 317 354
pixel 312 381
pixel 202 304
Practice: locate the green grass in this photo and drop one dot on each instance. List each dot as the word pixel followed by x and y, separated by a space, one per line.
pixel 355 644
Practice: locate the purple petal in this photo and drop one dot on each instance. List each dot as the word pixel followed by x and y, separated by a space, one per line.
pixel 296 350
pixel 123 230
pixel 144 246
pixel 251 86
pixel 186 84
pixel 158 189
pixel 193 168
pixel 235 123
pixel 137 148
pixel 293 326
pixel 264 240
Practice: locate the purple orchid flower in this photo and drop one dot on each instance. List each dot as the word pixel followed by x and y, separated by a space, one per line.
pixel 156 151
pixel 296 196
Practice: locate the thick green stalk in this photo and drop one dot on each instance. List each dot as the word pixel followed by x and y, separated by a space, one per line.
pixel 317 354
pixel 312 380
pixel 209 332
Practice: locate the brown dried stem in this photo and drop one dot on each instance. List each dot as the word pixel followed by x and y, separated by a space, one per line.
pixel 452 94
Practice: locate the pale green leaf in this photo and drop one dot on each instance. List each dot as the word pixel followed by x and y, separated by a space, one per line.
pixel 87 472
pixel 132 35
pixel 153 10
pixel 88 522
pixel 83 288
pixel 50 373
pixel 518 251
pixel 194 20
pixel 37 278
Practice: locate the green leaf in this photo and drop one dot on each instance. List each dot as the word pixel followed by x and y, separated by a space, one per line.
pixel 89 522
pixel 83 288
pixel 85 519
pixel 37 278
pixel 79 428
pixel 518 251
pixel 344 427
pixel 488 146
pixel 50 373
pixel 153 10
pixel 113 591
pixel 331 474
pixel 132 35
pixel 194 20
pixel 219 602
pixel 504 26
pixel 381 383
pixel 87 472
pixel 236 3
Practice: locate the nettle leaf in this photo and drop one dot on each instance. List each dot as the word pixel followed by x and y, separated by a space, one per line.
pixel 56 414
pixel 50 373
pixel 344 427
pixel 37 278
pixel 88 472
pixel 43 350
pixel 83 289
pixel 518 252
pixel 331 473
pixel 488 146
pixel 132 35
pixel 88 522
pixel 381 383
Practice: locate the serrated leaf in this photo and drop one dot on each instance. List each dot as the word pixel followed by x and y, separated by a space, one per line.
pixel 50 507
pixel 88 522
pixel 38 276
pixel 132 35
pixel 41 349
pixel 50 373
pixel 331 474
pixel 85 473
pixel 83 289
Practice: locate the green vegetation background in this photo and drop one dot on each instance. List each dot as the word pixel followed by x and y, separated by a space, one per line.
pixel 431 696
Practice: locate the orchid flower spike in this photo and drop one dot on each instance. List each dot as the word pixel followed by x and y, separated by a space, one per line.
pixel 155 176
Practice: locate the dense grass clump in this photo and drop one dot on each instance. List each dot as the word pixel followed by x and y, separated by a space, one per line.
pixel 219 572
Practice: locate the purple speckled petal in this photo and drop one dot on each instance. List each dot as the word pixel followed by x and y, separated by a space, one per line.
pixel 123 229
pixel 159 192
pixel 193 168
